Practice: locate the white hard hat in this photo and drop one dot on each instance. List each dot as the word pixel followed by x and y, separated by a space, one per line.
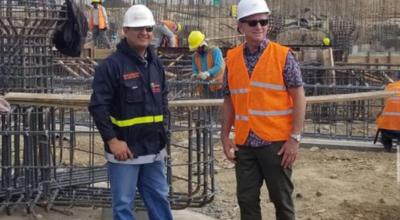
pixel 138 16
pixel 251 7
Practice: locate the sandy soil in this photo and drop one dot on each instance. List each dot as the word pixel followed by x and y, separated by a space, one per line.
pixel 329 184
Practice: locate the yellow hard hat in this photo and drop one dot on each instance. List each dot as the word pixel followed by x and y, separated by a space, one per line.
pixel 326 41
pixel 195 39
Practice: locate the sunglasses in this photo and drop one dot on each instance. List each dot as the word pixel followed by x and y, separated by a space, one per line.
pixel 253 23
pixel 138 29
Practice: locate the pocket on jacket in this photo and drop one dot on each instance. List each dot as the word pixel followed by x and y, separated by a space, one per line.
pixel 133 91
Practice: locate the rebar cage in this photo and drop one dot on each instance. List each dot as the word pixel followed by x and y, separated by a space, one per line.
pixel 26 61
pixel 54 156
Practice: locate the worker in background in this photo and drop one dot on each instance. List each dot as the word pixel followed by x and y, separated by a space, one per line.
pixel 264 100
pixel 207 64
pixel 130 107
pixel 165 34
pixel 388 122
pixel 98 24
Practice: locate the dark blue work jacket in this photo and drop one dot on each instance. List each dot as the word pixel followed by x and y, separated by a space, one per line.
pixel 129 100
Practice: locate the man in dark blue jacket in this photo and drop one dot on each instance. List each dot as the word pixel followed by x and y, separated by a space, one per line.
pixel 129 106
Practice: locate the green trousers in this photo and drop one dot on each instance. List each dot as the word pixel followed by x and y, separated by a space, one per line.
pixel 255 165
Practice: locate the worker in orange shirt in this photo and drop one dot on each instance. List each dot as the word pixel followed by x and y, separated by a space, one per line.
pixel 98 24
pixel 388 121
pixel 165 34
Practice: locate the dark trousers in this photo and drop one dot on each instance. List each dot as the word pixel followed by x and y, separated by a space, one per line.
pixel 255 165
pixel 100 39
pixel 387 138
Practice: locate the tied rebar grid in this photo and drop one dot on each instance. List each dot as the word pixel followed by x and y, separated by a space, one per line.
pixel 348 120
pixel 26 28
pixel 54 156
pixel 346 22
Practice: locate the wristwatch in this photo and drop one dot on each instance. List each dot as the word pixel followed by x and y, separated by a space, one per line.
pixel 296 137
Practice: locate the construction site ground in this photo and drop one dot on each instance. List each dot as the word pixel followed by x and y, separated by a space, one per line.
pixel 329 185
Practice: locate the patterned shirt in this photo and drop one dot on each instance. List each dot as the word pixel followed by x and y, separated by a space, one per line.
pixel 292 79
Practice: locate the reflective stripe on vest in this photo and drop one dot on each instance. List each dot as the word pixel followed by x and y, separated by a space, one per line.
pixel 391 113
pixel 242 117
pixel 137 120
pixel 394 99
pixel 238 91
pixel 268 86
pixel 270 113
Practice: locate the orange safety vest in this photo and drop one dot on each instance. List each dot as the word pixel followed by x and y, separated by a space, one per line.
pixel 102 18
pixel 170 24
pixel 261 103
pixel 172 27
pixel 218 78
pixel 390 117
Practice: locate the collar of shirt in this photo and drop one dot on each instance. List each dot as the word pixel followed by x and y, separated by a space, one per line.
pixel 261 47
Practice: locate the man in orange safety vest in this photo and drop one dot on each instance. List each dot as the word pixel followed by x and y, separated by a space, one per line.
pixel 388 121
pixel 264 101
pixel 98 24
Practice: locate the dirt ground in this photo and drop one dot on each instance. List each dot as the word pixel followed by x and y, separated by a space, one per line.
pixel 329 185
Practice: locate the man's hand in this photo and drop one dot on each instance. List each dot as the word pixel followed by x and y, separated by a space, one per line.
pixel 229 149
pixel 289 150
pixel 204 75
pixel 120 149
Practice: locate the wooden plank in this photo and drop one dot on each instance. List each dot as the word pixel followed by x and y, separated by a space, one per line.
pixel 341 144
pixel 65 100
pixel 81 101
pixel 387 77
pixel 170 74
pixel 102 53
pixel 177 59
pixel 82 69
pixel 67 68
pixel 349 97
pixel 92 61
pixel 327 61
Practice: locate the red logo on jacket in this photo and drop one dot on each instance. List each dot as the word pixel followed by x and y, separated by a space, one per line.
pixel 132 75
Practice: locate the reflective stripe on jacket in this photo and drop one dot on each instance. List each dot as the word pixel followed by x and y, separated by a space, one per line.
pixel 218 78
pixel 262 102
pixel 102 18
pixel 390 117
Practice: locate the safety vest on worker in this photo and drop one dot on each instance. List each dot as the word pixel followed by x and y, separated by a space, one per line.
pixel 390 117
pixel 218 78
pixel 261 103
pixel 170 24
pixel 102 18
